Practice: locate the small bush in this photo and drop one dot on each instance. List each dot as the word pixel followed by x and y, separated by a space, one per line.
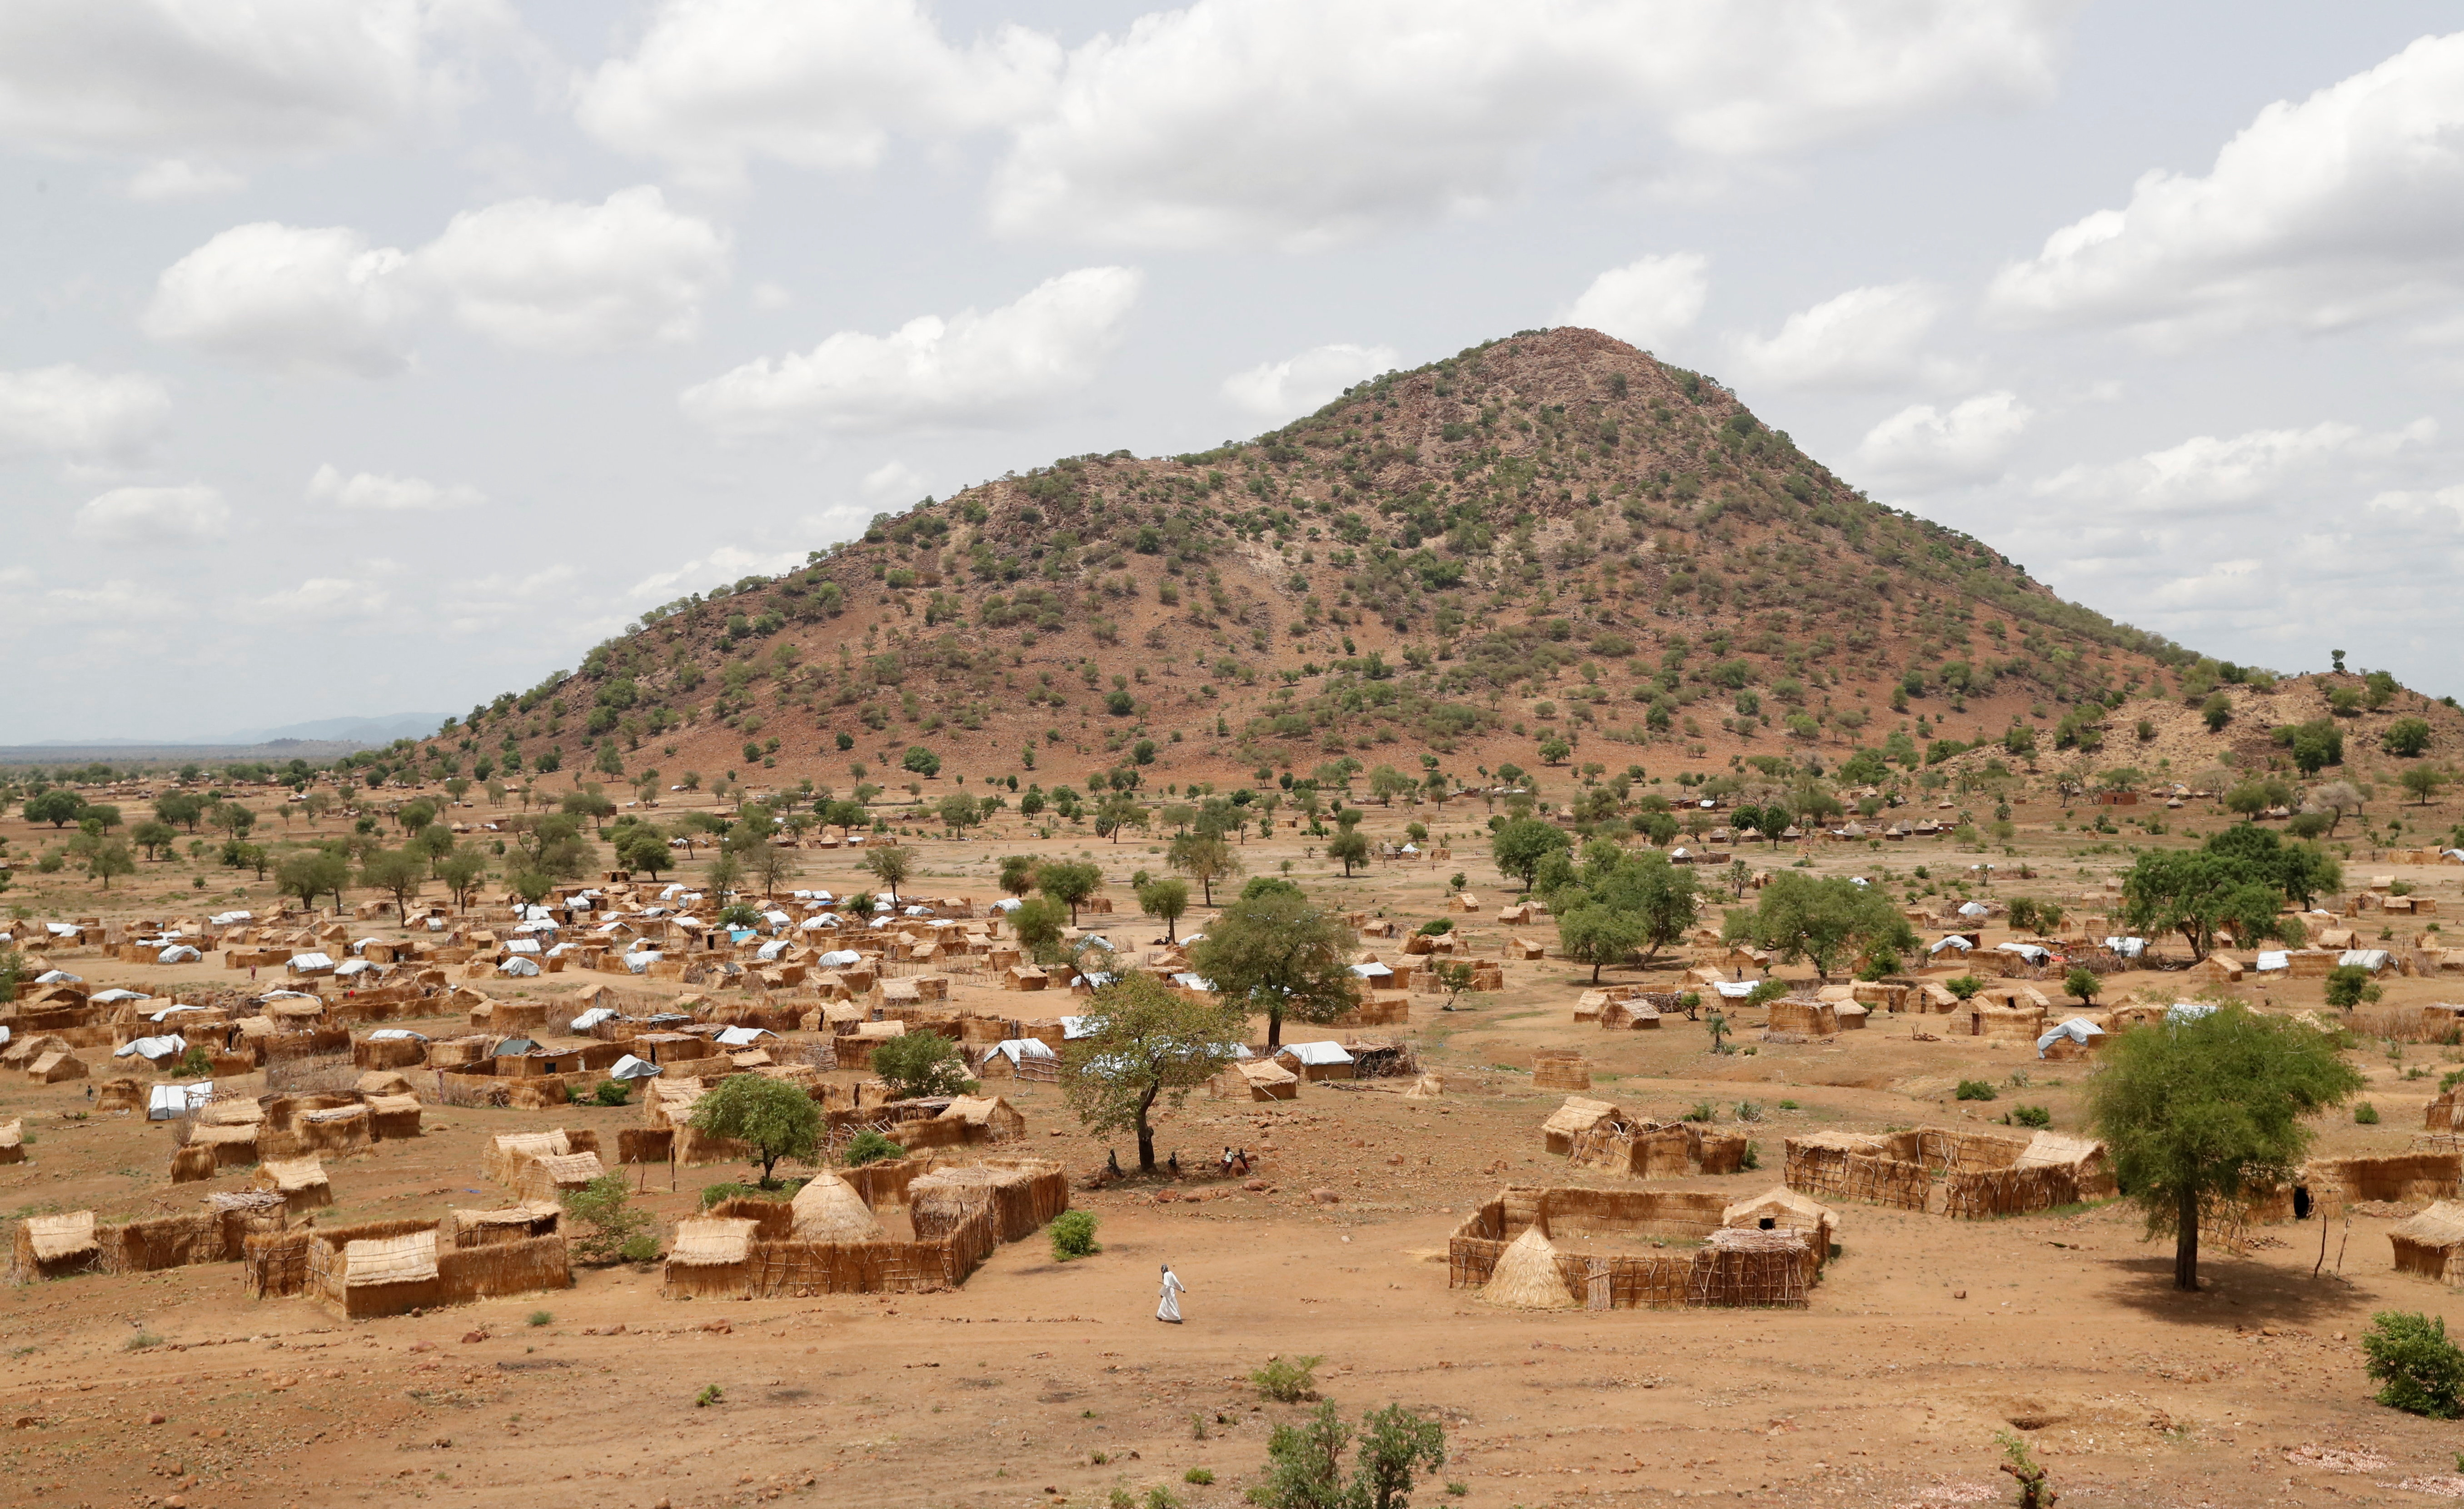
pixel 1438 928
pixel 611 1092
pixel 1788 1106
pixel 604 1221
pixel 1702 1112
pixel 2366 1114
pixel 1199 1476
pixel 2031 1116
pixel 871 1146
pixel 711 1395
pixel 1753 1157
pixel 1162 1498
pixel 2420 1371
pixel 1458 1489
pixel 1748 1111
pixel 639 1249
pixel 140 1341
pixel 1073 1235
pixel 542 1318
pixel 1288 1380
pixel 1975 1090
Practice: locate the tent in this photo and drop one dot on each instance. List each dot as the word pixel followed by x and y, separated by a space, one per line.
pixel 1017 1049
pixel 152 1048
pixel 1188 981
pixel 1955 941
pixel 2127 947
pixel 58 977
pixel 179 953
pixel 2078 1030
pixel 2271 959
pixel 2034 952
pixel 113 996
pixel 743 1037
pixel 1073 1028
pixel 629 1067
pixel 520 967
pixel 1734 990
pixel 225 919
pixel 838 959
pixel 170 1101
pixel 1373 971
pixel 640 960
pixel 348 968
pixel 521 946
pixel 769 952
pixel 1007 904
pixel 2371 959
pixel 593 1018
pixel 1974 909
pixel 396 1034
pixel 169 1012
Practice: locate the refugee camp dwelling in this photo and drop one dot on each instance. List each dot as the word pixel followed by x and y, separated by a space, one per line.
pixel 1780 1208
pixel 2077 1038
pixel 1575 1117
pixel 12 1141
pixel 710 1255
pixel 301 1183
pixel 545 1179
pixel 1255 1080
pixel 986 1118
pixel 1315 1061
pixel 1513 1245
pixel 828 1210
pixel 1560 1069
pixel 55 1247
pixel 2432 1243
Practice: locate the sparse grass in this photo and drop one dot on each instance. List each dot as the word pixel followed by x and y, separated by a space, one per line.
pixel 1199 1476
pixel 2366 1114
pixel 138 1342
pixel 710 1395
pixel 542 1318
pixel 1975 1090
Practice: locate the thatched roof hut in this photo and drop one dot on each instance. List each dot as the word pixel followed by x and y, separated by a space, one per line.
pixel 12 1141
pixel 2083 1156
pixel 119 1095
pixel 382 1081
pixel 233 1146
pixel 392 1117
pixel 334 1129
pixel 384 1273
pixel 1527 1276
pixel 513 1223
pixel 1780 1208
pixel 2432 1244
pixel 510 1150
pixel 545 1179
pixel 828 1210
pixel 709 1254
pixel 1578 1116
pixel 989 1118
pixel 1255 1080
pixel 1560 1069
pixel 55 1067
pixel 55 1246
pixel 301 1182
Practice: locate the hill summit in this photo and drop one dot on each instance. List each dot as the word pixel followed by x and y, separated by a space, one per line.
pixel 1549 548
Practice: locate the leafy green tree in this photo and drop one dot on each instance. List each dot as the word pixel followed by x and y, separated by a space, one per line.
pixel 153 837
pixel 1117 811
pixel 1553 749
pixel 58 807
pixel 183 808
pixel 1522 843
pixel 1279 955
pixel 1168 898
pixel 399 873
pixel 921 1063
pixel 2301 871
pixel 1305 1461
pixel 2418 1369
pixel 921 760
pixel 641 847
pixel 1204 858
pixel 1348 849
pixel 889 864
pixel 2406 738
pixel 1069 882
pixel 1619 903
pixel 1017 874
pixel 2197 893
pixel 311 873
pixel 2422 782
pixel 2316 744
pixel 2216 710
pixel 108 859
pixel 1599 935
pixel 2082 983
pixel 958 813
pixel 461 872
pixel 1038 925
pixel 605 1222
pixel 1148 1042
pixel 772 1118
pixel 2204 1110
pixel 1824 920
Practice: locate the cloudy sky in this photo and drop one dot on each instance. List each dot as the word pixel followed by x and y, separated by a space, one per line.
pixel 362 356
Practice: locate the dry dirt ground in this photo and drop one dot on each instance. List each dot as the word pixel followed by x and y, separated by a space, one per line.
pixel 1044 1383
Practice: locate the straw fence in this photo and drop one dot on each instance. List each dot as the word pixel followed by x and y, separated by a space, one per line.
pixel 443 1273
pixel 2404 1178
pixel 2007 1192
pixel 1735 1269
pixel 1975 1173
pixel 1867 1179
pixel 796 1269
pixel 273 1265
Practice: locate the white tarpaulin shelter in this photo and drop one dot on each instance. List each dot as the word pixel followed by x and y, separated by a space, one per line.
pixel 2032 952
pixel 58 977
pixel 152 1048
pixel 2078 1030
pixel 641 959
pixel 115 996
pixel 1734 990
pixel 743 1037
pixel 302 962
pixel 593 1018
pixel 2270 959
pixel 2127 947
pixel 396 1034
pixel 2370 959
pixel 2183 1012
pixel 1015 1049
pixel 1316 1053
pixel 1955 941
pixel 629 1067
pixel 1373 971
pixel 1974 909
pixel 169 1101
pixel 179 953
pixel 838 959
pixel 519 967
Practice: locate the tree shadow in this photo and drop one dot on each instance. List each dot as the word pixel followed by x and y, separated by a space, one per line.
pixel 2232 1289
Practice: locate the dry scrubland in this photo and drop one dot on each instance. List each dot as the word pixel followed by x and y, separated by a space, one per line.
pixel 1039 1382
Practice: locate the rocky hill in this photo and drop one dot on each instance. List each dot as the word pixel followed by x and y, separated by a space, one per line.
pixel 1549 540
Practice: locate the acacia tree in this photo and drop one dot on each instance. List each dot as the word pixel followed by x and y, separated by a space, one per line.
pixel 2199 1111
pixel 1522 843
pixel 1167 899
pixel 1275 952
pixel 890 866
pixel 1204 858
pixel 772 1118
pixel 1799 916
pixel 1069 882
pixel 1148 1043
pixel 399 873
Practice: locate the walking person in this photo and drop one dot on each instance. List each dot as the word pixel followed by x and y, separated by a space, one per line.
pixel 1169 1307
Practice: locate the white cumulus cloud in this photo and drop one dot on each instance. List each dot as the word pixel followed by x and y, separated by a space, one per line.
pixel 1922 445
pixel 141 515
pixel 814 83
pixel 973 369
pixel 2222 473
pixel 1279 390
pixel 726 564
pixel 1864 338
pixel 318 301
pixel 1301 123
pixel 1647 301
pixel 529 273
pixel 269 77
pixel 375 492
pixel 2339 207
pixel 893 479
pixel 67 410
pixel 578 279
pixel 178 178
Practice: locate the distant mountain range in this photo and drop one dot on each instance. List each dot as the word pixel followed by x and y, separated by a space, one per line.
pixel 380 730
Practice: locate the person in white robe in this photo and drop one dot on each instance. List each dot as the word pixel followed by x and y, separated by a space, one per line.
pixel 1169 1307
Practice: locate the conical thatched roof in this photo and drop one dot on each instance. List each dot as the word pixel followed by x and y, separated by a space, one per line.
pixel 829 1211
pixel 1526 1277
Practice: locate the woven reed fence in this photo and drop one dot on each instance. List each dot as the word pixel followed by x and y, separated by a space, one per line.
pixel 2400 1178
pixel 2007 1192
pixel 1740 1269
pixel 793 1270
pixel 1862 1177
pixel 274 1264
